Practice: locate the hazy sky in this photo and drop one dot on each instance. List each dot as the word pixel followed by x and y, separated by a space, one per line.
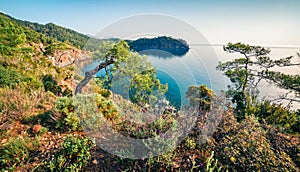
pixel 263 22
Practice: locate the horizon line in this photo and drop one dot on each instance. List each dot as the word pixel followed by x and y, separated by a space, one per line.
pixel 267 46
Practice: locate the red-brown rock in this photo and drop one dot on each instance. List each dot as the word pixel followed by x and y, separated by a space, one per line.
pixel 36 128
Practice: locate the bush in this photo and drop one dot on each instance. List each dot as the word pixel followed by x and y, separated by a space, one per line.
pixel 106 108
pixel 68 92
pixel 10 78
pixel 285 143
pixel 246 148
pixel 73 155
pixel 17 151
pixel 68 119
pixel 50 84
pixel 278 116
pixel 58 46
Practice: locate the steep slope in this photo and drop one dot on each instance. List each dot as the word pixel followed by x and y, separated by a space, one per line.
pixel 27 59
pixel 30 84
pixel 59 33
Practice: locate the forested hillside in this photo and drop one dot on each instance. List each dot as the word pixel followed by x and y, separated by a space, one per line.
pixel 59 33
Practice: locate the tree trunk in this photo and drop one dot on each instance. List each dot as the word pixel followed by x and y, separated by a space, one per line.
pixel 90 74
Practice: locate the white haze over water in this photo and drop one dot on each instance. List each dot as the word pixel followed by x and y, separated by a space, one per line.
pixel 269 90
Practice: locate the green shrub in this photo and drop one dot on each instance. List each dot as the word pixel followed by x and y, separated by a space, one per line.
pixel 68 119
pixel 246 148
pixel 17 151
pixel 190 143
pixel 58 46
pixel 10 78
pixel 6 50
pixel 50 84
pixel 73 155
pixel 67 92
pixel 106 108
pixel 278 116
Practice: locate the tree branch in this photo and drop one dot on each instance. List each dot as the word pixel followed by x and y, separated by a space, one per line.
pixel 89 75
pixel 286 98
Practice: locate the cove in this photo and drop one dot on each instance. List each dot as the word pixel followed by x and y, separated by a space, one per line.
pixel 194 68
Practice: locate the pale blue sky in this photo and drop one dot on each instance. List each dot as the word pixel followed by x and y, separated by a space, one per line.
pixel 269 22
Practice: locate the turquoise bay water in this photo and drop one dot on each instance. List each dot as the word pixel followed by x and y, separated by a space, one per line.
pixel 198 67
pixel 190 69
pixel 194 68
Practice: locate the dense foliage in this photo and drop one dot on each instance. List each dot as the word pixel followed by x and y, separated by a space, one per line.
pixel 17 151
pixel 59 33
pixel 9 78
pixel 245 147
pixel 136 79
pixel 73 154
pixel 177 47
pixel 276 115
pixel 200 97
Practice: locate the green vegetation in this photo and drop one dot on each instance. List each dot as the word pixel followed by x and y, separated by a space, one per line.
pixel 212 164
pixel 10 78
pixel 128 71
pixel 200 97
pixel 244 89
pixel 73 155
pixel 142 80
pixel 68 120
pixel 41 129
pixel 59 46
pixel 17 152
pixel 60 33
pixel 177 47
pixel 276 115
pixel 50 84
pixel 56 32
pixel 247 72
pixel 246 148
pixel 14 36
pixel 290 82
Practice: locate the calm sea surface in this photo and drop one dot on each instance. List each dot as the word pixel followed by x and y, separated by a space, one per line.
pixel 198 66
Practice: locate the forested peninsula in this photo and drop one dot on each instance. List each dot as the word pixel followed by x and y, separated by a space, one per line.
pixel 177 47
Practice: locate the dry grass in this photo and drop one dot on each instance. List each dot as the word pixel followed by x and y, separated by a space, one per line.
pixel 17 104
